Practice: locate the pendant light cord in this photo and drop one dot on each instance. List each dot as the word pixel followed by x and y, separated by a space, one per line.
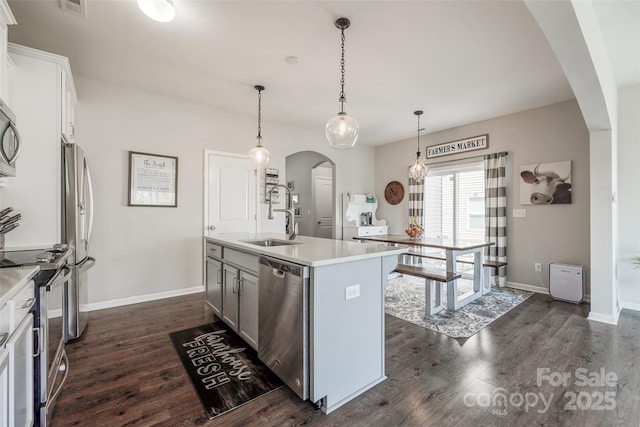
pixel 418 153
pixel 259 117
pixel 342 96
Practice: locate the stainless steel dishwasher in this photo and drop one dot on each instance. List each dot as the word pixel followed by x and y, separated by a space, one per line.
pixel 283 331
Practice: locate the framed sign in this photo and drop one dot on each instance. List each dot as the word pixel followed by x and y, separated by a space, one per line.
pixel 153 180
pixel 479 142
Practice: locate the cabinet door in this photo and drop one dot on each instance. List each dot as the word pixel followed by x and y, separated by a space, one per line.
pixel 20 348
pixel 248 321
pixel 4 387
pixel 213 291
pixel 230 284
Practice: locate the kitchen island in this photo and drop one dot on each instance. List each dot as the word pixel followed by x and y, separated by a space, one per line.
pixel 341 311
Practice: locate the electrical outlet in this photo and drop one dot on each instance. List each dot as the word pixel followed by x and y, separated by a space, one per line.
pixel 519 213
pixel 351 292
pixel 537 267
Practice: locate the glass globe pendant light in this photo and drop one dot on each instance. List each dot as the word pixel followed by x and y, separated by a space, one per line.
pixel 342 130
pixel 418 170
pixel 258 155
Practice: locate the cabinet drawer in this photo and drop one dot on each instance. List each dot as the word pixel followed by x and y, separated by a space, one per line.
pixel 214 250
pixel 21 304
pixel 372 231
pixel 242 259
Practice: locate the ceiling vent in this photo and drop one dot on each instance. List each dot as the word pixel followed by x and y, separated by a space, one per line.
pixel 79 7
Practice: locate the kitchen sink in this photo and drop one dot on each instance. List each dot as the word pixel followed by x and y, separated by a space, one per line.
pixel 269 242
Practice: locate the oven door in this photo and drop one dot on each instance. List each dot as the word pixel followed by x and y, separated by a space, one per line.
pixel 53 363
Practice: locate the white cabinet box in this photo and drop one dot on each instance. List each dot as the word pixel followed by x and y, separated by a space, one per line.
pixel 359 217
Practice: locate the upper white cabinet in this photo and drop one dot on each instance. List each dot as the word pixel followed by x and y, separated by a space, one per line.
pixel 6 19
pixel 60 92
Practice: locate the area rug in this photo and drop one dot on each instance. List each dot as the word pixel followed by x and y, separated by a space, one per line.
pixel 405 298
pixel 224 370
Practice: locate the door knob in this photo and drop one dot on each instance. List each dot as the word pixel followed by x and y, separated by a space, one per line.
pixel 212 227
pixel 319 222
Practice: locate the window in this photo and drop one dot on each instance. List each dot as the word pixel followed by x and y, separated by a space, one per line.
pixel 454 201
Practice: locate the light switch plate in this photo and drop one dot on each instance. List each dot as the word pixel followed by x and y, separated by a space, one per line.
pixel 351 292
pixel 519 213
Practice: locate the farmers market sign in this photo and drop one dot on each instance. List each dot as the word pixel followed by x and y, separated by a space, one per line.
pixel 470 144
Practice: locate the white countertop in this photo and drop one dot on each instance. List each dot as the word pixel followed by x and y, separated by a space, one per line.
pixel 13 279
pixel 311 251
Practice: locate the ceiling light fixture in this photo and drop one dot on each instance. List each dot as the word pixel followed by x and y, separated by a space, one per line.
pixel 258 155
pixel 342 130
pixel 158 10
pixel 418 169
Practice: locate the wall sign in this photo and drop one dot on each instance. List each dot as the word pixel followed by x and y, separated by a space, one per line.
pixel 460 146
pixel 153 180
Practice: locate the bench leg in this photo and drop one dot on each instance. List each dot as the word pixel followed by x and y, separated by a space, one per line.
pixel 488 279
pixel 433 288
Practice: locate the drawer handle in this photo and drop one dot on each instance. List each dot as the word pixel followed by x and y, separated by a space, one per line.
pixel 36 331
pixel 3 338
pixel 29 303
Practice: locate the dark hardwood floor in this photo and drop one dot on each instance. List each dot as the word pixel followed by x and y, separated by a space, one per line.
pixel 124 372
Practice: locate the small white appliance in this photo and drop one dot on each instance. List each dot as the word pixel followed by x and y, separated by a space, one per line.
pixel 566 282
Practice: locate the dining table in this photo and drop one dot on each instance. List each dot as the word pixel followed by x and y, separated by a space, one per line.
pixel 453 249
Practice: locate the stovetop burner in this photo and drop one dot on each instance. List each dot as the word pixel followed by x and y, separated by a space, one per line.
pixel 47 259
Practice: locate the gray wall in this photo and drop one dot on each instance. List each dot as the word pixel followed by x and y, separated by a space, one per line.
pixel 550 233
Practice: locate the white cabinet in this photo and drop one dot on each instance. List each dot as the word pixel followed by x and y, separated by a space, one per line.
pixel 359 216
pixel 6 19
pixel 16 357
pixel 42 97
pixel 20 347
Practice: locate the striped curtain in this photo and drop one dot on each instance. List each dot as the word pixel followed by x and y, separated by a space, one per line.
pixel 416 200
pixel 496 212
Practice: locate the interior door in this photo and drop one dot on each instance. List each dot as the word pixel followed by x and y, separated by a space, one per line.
pixel 323 206
pixel 231 194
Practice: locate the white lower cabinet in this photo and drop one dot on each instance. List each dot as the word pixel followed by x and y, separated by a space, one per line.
pixel 4 387
pixel 20 348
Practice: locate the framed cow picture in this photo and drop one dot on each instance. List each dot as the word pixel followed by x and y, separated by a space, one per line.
pixel 545 183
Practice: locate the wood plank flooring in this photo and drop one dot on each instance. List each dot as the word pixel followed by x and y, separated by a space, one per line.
pixel 124 372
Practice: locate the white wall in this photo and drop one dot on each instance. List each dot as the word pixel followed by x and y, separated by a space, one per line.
pixel 549 233
pixel 628 194
pixel 146 250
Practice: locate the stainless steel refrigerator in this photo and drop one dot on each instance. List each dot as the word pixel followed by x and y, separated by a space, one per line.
pixel 77 225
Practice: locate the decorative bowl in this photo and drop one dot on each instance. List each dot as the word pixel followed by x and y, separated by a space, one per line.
pixel 414 232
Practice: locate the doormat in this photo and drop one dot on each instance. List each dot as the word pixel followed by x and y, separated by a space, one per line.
pixel 405 298
pixel 224 370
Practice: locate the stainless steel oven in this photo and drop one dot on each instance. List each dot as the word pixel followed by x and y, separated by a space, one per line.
pixel 50 323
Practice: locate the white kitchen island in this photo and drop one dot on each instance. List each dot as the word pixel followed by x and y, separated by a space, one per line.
pixel 346 283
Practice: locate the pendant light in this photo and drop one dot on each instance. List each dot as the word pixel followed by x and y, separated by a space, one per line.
pixel 342 130
pixel 418 169
pixel 258 155
pixel 158 10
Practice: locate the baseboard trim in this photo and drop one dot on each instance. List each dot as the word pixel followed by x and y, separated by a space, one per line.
pixel 143 298
pixel 605 318
pixel 530 288
pixel 630 305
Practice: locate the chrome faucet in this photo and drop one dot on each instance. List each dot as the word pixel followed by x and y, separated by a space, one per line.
pixel 291 228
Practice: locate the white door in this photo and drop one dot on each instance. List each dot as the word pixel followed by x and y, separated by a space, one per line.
pixel 230 193
pixel 323 206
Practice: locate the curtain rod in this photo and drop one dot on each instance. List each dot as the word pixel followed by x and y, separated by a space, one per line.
pixel 503 153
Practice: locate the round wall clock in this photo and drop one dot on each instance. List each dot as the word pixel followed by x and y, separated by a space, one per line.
pixel 394 192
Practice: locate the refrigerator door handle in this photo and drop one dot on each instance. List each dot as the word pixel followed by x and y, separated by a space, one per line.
pixel 88 263
pixel 90 185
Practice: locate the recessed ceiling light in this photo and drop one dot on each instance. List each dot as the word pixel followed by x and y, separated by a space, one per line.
pixel 158 10
pixel 291 60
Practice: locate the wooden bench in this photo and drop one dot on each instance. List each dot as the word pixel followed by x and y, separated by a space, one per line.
pixel 492 268
pixel 434 278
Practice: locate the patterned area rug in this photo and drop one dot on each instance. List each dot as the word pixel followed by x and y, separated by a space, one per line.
pixel 405 298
